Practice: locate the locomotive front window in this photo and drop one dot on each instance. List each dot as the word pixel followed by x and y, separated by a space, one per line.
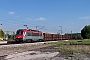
pixel 28 34
pixel 19 32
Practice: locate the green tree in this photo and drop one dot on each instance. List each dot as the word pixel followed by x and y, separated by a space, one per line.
pixel 85 32
pixel 1 33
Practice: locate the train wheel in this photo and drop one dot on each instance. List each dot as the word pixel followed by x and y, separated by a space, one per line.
pixel 41 40
pixel 29 41
pixel 17 42
pixel 32 41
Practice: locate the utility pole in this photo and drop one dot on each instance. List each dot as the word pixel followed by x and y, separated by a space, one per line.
pixel 37 27
pixel 71 34
pixel 61 31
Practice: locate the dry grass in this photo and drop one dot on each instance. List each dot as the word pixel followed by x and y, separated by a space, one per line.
pixel 75 46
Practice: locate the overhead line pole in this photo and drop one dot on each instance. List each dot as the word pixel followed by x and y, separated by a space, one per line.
pixel 37 27
pixel 61 31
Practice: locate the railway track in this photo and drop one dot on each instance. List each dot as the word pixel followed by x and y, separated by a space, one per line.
pixel 7 42
pixel 13 42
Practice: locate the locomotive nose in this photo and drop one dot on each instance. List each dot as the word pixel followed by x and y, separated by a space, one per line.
pixel 18 36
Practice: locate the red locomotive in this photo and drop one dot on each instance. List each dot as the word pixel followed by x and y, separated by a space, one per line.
pixel 23 35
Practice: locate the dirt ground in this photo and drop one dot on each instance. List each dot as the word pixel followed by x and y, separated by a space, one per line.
pixel 43 48
pixel 64 55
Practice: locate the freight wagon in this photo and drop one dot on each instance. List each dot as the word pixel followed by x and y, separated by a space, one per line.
pixel 53 37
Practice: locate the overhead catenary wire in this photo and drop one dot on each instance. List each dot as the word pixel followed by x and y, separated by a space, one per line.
pixel 9 22
pixel 17 22
pixel 12 10
pixel 16 13
pixel 5 19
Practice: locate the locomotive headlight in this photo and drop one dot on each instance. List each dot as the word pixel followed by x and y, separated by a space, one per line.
pixel 19 37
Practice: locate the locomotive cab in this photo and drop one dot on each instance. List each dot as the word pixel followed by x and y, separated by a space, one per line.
pixel 19 36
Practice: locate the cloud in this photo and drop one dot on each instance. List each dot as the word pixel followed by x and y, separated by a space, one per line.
pixel 28 18
pixel 11 13
pixel 41 18
pixel 87 17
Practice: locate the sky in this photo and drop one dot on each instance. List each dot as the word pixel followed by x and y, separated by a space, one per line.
pixel 48 15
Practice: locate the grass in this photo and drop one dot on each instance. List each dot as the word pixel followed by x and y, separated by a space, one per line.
pixel 73 42
pixel 73 46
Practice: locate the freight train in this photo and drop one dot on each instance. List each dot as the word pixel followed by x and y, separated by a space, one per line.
pixel 29 35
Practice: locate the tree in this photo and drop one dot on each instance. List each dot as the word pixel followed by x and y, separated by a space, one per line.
pixel 85 32
pixel 1 33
